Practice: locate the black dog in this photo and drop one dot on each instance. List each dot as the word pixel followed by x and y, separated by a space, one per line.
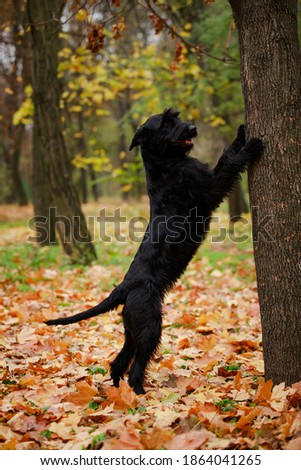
pixel 183 194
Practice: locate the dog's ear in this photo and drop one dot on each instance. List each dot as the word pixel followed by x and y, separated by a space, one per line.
pixel 170 113
pixel 138 137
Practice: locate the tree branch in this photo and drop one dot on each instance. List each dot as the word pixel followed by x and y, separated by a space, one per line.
pixel 195 48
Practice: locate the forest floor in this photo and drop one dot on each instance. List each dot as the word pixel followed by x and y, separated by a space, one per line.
pixel 205 387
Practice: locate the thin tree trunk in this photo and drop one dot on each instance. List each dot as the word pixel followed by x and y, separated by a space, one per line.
pixel 14 166
pixel 271 80
pixel 237 203
pixel 52 182
pixel 15 133
pixel 82 151
pixel 95 186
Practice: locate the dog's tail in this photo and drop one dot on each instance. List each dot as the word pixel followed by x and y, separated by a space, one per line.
pixel 110 303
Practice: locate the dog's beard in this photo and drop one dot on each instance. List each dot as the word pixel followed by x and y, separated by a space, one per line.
pixel 183 139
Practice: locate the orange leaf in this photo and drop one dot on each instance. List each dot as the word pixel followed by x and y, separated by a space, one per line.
pixel 84 395
pixel 168 362
pixel 187 319
pixel 264 392
pixel 237 379
pixel 155 438
pixel 189 440
pixel 123 397
pixel 208 342
pixel 247 418
pixel 129 439
pixel 9 445
pixel 184 343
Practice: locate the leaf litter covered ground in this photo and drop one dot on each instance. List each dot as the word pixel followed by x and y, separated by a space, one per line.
pixel 205 388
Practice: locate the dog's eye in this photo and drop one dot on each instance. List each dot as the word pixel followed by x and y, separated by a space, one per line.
pixel 166 124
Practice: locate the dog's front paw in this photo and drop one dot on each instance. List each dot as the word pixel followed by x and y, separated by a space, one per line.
pixel 241 134
pixel 240 138
pixel 254 147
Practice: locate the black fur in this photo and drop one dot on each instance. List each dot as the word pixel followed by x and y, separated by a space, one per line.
pixel 183 193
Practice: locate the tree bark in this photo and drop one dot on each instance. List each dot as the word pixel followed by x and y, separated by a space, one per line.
pixel 15 133
pixel 271 82
pixel 55 197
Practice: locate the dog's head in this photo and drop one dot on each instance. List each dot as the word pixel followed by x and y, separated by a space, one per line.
pixel 165 135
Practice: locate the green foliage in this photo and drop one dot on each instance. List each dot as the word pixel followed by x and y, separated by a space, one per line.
pixel 92 370
pixel 226 405
pixel 98 438
pixel 216 31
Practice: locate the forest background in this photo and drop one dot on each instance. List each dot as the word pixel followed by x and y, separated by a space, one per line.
pixel 115 64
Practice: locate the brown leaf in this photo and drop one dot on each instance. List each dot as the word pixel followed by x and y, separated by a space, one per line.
pixel 22 422
pixel 96 38
pixel 156 438
pixel 224 372
pixel 84 394
pixel 294 444
pixel 189 440
pixel 128 440
pixel 264 392
pixel 122 397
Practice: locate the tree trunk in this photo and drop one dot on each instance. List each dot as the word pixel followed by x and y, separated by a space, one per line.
pixel 14 166
pixel 95 186
pixel 81 146
pixel 55 197
pixel 15 133
pixel 271 81
pixel 237 203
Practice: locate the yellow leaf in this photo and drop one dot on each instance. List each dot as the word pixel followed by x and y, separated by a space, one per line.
pixel 102 112
pixel 76 108
pixel 8 91
pixel 126 188
pixel 81 15
pixel 218 121
pixel 78 135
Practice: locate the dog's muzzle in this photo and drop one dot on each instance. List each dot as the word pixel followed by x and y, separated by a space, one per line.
pixel 185 138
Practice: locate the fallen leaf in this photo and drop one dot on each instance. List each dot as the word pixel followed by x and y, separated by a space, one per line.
pixel 294 444
pixel 264 392
pixel 84 394
pixel 189 440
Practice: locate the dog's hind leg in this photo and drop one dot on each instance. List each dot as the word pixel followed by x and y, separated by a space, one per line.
pixel 145 318
pixel 122 361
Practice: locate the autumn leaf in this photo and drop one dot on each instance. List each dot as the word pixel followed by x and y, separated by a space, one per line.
pixel 95 38
pixel 128 440
pixel 294 444
pixel 264 392
pixel 189 440
pixel 205 387
pixel 156 438
pixel 248 418
pixel 84 394
pixel 122 397
pixel 158 23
